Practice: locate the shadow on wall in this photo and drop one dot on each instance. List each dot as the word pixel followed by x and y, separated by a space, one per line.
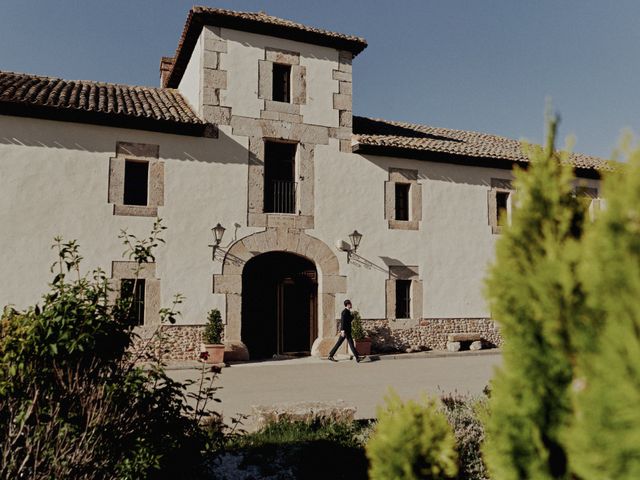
pixel 438 169
pixel 259 42
pixel 361 262
pixel 51 134
pixel 384 340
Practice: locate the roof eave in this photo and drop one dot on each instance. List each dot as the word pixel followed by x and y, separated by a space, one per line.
pixel 46 112
pixel 456 159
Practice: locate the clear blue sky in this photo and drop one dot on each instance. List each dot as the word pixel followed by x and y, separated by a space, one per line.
pixel 476 65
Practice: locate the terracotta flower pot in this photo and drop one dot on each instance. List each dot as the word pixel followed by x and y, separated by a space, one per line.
pixel 215 352
pixel 363 346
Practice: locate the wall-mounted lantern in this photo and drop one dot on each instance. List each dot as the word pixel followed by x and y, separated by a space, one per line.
pixel 355 238
pixel 218 233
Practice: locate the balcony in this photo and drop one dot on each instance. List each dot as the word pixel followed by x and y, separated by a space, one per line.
pixel 280 197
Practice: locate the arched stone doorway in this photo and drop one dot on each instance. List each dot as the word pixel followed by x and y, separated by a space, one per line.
pixel 279 305
pixel 294 241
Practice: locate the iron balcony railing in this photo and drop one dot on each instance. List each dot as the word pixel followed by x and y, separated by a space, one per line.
pixel 281 197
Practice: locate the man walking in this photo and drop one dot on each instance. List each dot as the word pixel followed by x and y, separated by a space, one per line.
pixel 345 332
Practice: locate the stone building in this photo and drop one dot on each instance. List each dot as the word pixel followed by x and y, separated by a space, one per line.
pixel 252 128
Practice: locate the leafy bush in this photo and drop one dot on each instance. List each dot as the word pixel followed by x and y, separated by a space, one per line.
pixel 412 440
pixel 357 329
pixel 605 439
pixel 214 328
pixel 73 402
pixel 290 450
pixel 537 300
pixel 284 432
pixel 465 417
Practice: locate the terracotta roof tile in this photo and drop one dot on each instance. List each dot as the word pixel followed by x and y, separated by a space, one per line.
pixel 371 132
pixel 255 22
pixel 35 95
pixel 262 17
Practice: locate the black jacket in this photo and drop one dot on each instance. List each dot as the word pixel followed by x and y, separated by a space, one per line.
pixel 345 320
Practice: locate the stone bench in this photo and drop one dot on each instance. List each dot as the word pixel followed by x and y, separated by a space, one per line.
pixel 455 341
pixel 308 412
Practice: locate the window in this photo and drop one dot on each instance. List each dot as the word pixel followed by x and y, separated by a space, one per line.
pixel 281 83
pixel 136 182
pixel 402 201
pixel 279 177
pixel 589 201
pixel 502 202
pixel 403 291
pixel 136 310
pixel 403 298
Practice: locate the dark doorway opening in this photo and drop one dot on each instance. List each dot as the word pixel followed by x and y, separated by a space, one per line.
pixel 279 305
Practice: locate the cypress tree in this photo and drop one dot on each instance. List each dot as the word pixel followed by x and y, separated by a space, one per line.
pixel 605 440
pixel 535 297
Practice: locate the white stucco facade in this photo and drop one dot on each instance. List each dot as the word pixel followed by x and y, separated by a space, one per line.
pixel 54 180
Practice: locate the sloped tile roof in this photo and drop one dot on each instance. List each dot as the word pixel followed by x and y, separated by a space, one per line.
pixel 255 22
pixel 96 102
pixel 377 135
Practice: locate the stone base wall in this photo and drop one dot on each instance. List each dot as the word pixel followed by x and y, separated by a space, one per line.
pixel 182 342
pixel 173 342
pixel 428 334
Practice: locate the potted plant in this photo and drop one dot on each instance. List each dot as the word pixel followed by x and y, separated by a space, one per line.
pixel 363 343
pixel 212 338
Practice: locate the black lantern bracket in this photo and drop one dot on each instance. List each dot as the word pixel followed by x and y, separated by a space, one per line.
pixel 356 238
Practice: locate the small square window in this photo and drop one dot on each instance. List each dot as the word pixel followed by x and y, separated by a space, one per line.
pixel 403 298
pixel 136 182
pixel 136 310
pixel 502 208
pixel 402 201
pixel 281 83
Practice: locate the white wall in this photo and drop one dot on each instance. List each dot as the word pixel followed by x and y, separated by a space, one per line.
pixel 189 85
pixel 54 179
pixel 452 247
pixel 244 50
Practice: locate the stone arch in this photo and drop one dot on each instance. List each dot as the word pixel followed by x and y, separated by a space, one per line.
pixel 229 283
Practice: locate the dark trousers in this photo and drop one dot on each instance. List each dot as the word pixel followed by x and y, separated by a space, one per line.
pixel 349 339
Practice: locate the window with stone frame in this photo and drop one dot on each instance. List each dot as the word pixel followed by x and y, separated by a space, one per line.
pixel 403 199
pixel 134 289
pixel 136 180
pixel 404 293
pixel 146 290
pixel 588 198
pixel 281 83
pixel 500 199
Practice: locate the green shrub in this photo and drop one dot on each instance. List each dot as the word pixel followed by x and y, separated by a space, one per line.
pixel 605 440
pixel 73 402
pixel 357 329
pixel 214 328
pixel 285 432
pixel 412 440
pixel 284 449
pixel 537 300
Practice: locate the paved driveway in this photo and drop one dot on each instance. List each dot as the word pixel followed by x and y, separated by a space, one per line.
pixel 361 385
